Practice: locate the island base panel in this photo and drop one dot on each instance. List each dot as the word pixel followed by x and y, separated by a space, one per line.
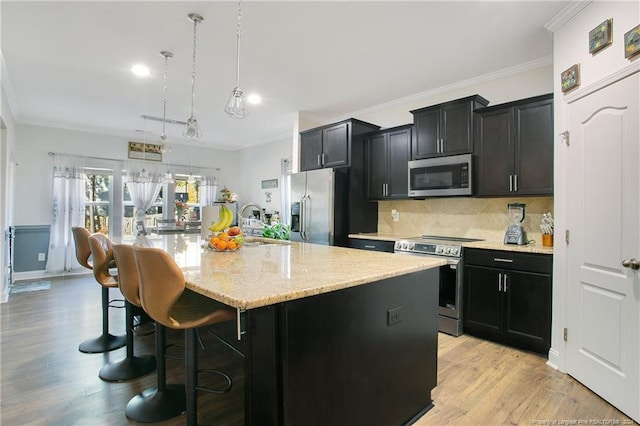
pixel 365 355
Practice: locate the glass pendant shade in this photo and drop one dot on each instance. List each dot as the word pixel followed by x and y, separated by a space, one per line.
pixel 191 129
pixel 235 107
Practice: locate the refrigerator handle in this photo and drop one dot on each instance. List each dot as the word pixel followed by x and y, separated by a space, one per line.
pixel 303 217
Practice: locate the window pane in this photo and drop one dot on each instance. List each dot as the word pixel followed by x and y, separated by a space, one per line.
pixel 98 187
pixel 96 218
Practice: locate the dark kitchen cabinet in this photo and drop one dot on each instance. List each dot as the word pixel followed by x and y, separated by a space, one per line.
pixel 445 129
pixel 507 297
pixel 514 148
pixel 331 145
pixel 387 154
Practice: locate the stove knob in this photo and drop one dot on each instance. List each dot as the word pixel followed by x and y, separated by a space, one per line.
pixel 455 251
pixel 412 246
pixel 447 250
pixel 438 250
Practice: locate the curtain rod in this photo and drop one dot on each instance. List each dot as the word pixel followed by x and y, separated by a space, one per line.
pixel 158 163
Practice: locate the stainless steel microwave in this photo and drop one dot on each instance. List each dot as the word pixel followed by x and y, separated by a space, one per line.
pixel 441 176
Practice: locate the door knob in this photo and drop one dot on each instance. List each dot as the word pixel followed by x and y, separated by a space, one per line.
pixel 632 263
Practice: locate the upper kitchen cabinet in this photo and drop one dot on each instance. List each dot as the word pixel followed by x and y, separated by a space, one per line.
pixel 387 154
pixel 445 129
pixel 514 148
pixel 330 146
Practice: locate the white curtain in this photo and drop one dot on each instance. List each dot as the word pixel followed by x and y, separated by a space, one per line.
pixel 67 211
pixel 144 188
pixel 208 191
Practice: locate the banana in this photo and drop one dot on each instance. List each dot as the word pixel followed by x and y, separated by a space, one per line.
pixel 218 225
pixel 229 217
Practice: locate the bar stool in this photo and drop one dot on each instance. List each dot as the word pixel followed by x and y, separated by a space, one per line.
pixel 102 255
pixel 83 251
pixel 166 299
pixel 131 366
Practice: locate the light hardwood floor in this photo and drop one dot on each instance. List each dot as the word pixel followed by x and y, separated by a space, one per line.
pixel 45 380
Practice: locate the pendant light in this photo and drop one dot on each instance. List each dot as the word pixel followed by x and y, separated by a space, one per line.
pixel 191 130
pixel 235 106
pixel 164 147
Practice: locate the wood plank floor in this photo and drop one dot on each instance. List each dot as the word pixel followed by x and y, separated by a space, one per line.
pixel 45 380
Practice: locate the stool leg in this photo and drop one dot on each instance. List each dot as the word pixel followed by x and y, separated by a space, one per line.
pixel 191 375
pixel 105 342
pixel 131 366
pixel 162 402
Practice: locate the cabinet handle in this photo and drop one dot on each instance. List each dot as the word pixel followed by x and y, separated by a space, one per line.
pixel 500 281
pixel 239 329
pixel 323 158
pixel 515 183
pixel 319 160
pixel 500 259
pixel 510 183
pixel 369 247
pixel 505 283
pixel 386 189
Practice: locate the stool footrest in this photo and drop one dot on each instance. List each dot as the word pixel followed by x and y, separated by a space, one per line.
pixel 219 373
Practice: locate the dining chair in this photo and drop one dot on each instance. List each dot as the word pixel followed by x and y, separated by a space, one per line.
pixel 102 260
pixel 166 299
pixel 131 366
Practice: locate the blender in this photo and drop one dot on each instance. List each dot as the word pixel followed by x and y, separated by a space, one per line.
pixel 515 232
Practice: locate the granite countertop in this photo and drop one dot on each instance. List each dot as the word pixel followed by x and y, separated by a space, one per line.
pixel 260 275
pixel 485 244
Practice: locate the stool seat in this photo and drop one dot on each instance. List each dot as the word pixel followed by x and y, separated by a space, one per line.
pixel 166 299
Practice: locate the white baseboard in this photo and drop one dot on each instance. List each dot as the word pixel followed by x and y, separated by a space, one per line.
pixel 36 275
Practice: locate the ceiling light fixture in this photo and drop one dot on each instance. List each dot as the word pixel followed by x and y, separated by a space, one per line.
pixel 235 106
pixel 191 130
pixel 140 70
pixel 254 99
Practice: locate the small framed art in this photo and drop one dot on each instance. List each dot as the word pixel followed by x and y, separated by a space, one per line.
pixel 632 42
pixel 600 36
pixel 145 151
pixel 570 78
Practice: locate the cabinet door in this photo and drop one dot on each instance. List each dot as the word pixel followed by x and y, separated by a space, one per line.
pixel 376 170
pixel 482 301
pixel 399 154
pixel 335 146
pixel 494 152
pixel 311 150
pixel 455 130
pixel 534 148
pixel 527 306
pixel 427 134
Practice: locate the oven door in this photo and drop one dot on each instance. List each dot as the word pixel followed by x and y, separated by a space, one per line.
pixel 449 296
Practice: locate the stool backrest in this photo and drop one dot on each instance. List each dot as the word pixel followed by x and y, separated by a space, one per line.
pixel 102 254
pixel 127 273
pixel 83 251
pixel 161 283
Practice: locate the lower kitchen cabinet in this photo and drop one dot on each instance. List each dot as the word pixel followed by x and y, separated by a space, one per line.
pixel 507 297
pixel 375 245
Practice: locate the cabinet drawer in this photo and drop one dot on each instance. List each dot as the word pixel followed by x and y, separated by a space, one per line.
pixel 530 262
pixel 375 245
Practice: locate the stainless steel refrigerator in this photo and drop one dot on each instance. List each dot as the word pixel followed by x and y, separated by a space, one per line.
pixel 319 206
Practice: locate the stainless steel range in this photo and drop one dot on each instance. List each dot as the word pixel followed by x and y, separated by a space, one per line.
pixel 450 296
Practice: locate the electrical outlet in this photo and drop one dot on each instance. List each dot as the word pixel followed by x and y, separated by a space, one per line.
pixel 394 315
pixel 41 257
pixel 395 214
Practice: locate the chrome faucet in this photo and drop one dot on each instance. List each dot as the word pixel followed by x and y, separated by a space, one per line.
pixel 255 205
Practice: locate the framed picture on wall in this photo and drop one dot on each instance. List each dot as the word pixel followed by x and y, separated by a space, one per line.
pixel 570 78
pixel 145 151
pixel 600 36
pixel 632 42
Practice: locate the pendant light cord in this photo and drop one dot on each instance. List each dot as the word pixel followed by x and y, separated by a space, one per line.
pixel 166 55
pixel 238 45
pixel 193 66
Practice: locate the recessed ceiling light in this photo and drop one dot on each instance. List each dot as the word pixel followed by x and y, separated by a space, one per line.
pixel 140 70
pixel 254 99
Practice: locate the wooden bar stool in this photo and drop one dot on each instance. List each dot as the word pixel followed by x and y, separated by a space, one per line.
pixel 166 299
pixel 102 256
pixel 131 366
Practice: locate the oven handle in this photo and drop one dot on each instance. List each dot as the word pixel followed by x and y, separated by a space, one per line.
pixel 452 262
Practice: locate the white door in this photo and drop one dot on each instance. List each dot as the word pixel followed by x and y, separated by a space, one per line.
pixel 603 308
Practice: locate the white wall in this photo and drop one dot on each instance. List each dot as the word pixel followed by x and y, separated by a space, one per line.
pixel 33 172
pixel 7 143
pixel 256 164
pixel 571 47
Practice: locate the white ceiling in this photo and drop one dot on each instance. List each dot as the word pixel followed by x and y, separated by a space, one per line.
pixel 66 64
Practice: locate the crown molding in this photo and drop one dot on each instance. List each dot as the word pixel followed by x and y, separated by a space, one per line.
pixel 566 14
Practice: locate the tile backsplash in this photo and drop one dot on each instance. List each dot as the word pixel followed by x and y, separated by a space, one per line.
pixel 483 218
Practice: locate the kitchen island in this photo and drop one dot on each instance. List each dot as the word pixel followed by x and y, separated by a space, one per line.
pixel 330 335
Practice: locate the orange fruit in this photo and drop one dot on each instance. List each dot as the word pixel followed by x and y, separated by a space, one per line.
pixel 221 245
pixel 224 236
pixel 232 245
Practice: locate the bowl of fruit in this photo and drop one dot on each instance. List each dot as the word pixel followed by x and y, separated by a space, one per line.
pixel 228 240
